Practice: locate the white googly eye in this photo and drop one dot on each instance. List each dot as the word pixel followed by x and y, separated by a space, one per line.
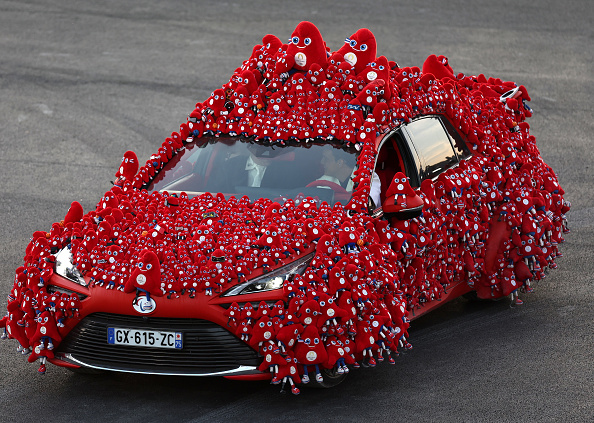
pixel 307 41
pixel 295 40
pixel 363 47
pixel 149 266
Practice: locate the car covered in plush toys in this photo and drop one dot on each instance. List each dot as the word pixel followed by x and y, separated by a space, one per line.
pixel 297 222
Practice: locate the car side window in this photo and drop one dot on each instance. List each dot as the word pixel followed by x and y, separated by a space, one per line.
pixel 459 145
pixel 433 146
pixel 405 158
pixel 395 156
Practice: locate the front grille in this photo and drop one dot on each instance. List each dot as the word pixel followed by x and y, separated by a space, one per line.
pixel 207 347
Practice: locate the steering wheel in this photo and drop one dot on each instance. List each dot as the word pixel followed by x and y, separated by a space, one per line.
pixel 339 192
pixel 332 185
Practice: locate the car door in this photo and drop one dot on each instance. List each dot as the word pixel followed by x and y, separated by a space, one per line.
pixel 421 149
pixel 395 155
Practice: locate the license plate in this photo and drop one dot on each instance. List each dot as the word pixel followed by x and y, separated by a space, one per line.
pixel 144 338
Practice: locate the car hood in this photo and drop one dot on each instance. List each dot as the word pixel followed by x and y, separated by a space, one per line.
pixel 192 239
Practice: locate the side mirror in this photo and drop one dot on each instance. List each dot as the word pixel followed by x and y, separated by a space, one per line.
pixel 403 208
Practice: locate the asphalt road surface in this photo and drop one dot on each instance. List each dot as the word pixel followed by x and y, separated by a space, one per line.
pixel 81 82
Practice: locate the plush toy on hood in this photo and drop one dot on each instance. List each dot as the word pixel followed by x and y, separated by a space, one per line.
pixel 146 276
pixel 128 169
pixel 305 48
pixel 75 213
pixel 359 49
pixel 438 66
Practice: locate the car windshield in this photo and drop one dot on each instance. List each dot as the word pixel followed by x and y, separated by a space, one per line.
pixel 237 166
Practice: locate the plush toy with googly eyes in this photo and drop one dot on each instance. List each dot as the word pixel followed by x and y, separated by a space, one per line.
pixel 128 168
pixel 310 351
pixel 306 47
pixel 146 276
pixel 438 66
pixel 45 339
pixel 359 49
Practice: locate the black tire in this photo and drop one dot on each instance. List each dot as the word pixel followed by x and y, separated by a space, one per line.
pixel 331 379
pixel 473 298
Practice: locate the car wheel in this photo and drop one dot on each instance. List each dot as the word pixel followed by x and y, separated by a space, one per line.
pixel 331 379
pixel 473 297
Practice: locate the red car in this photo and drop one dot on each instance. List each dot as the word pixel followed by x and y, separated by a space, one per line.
pixel 300 218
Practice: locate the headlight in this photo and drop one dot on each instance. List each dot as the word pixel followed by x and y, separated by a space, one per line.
pixel 272 280
pixel 66 268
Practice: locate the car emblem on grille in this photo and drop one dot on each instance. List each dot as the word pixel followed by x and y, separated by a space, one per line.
pixel 144 305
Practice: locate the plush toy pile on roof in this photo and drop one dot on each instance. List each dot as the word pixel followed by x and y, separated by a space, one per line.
pixel 351 305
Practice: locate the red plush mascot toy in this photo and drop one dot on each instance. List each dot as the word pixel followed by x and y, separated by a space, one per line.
pixel 402 193
pixel 438 66
pixel 359 49
pixel 305 48
pixel 146 276
pixel 128 168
